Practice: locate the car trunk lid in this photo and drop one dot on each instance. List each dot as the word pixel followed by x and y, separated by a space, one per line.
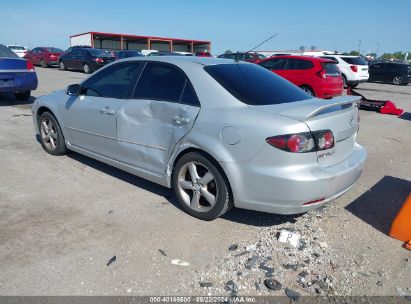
pixel 12 64
pixel 340 115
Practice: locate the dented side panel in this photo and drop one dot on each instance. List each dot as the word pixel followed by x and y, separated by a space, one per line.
pixel 148 131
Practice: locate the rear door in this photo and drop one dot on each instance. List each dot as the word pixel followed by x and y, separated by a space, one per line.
pixel 297 71
pixel 90 120
pixel 162 110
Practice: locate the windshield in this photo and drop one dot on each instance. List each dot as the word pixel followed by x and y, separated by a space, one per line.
pixel 255 85
pixel 354 60
pixel 16 47
pixel 54 50
pixel 6 52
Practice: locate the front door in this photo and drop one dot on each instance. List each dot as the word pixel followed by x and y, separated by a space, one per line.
pixel 162 110
pixel 90 119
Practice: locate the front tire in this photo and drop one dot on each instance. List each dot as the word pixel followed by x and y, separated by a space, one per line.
pixel 62 66
pixel 86 69
pixel 23 96
pixel 200 187
pixel 51 137
pixel 398 80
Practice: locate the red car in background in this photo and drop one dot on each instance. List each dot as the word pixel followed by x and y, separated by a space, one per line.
pixel 248 56
pixel 44 56
pixel 318 77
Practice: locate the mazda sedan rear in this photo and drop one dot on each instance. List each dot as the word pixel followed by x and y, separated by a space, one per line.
pixel 220 133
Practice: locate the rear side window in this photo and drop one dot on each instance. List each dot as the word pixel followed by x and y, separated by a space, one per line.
pixel 6 52
pixel 354 60
pixel 298 64
pixel 254 85
pixel 161 82
pixel 331 68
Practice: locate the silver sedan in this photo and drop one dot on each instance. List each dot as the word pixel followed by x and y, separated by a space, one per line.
pixel 221 133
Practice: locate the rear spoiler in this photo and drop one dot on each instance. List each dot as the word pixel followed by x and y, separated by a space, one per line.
pixel 316 106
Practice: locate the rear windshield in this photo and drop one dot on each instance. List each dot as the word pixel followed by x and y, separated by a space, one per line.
pixel 54 50
pixel 16 48
pixel 331 68
pixel 96 52
pixel 261 56
pixel 354 60
pixel 6 52
pixel 255 85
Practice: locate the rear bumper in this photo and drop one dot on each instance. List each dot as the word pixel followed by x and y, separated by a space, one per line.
pixel 22 82
pixel 329 93
pixel 284 190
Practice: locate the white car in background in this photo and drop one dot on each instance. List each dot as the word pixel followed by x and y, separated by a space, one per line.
pixel 19 50
pixel 354 69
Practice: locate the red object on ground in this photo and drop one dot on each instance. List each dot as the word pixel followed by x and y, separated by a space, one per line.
pixel 384 107
pixel 390 108
pixel 320 77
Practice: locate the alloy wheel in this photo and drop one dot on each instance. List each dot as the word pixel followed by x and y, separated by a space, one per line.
pixel 197 186
pixel 397 80
pixel 49 134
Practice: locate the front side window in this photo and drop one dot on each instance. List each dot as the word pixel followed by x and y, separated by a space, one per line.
pixel 160 81
pixel 112 82
pixel 254 85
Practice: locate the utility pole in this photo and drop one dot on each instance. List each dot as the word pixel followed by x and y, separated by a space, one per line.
pixel 378 48
pixel 359 47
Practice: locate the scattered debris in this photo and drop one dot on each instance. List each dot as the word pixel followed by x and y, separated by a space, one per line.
pixel 273 284
pixel 162 252
pixel 303 274
pixel 251 262
pixel 112 260
pixel 206 284
pixel 292 295
pixel 294 267
pixel 289 237
pixel 268 270
pixel 179 262
pixel 233 247
pixel 110 212
pixel 230 286
pixel 323 245
pixel 251 248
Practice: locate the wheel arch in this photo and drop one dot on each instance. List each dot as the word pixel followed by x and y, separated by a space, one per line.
pixel 207 155
pixel 309 87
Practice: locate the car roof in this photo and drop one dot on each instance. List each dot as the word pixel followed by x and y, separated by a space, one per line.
pixel 205 61
pixel 317 59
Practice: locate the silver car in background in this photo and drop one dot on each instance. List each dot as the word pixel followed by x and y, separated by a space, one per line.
pixel 220 133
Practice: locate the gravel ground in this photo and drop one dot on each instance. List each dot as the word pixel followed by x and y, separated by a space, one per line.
pixel 64 218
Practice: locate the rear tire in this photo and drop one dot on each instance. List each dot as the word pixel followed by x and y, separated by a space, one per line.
pixel 62 66
pixel 398 80
pixel 354 85
pixel 51 137
pixel 23 96
pixel 202 190
pixel 43 64
pixel 344 81
pixel 308 90
pixel 86 69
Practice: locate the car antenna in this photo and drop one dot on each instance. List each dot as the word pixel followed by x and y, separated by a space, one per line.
pixel 262 42
pixel 237 57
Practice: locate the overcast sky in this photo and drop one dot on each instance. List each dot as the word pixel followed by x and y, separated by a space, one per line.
pixel 235 25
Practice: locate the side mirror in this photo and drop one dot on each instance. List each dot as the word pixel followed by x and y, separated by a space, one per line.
pixel 74 90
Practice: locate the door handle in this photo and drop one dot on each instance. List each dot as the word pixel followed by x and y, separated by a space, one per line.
pixel 106 111
pixel 181 120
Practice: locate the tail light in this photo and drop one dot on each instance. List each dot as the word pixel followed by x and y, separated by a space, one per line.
pixel 303 142
pixel 29 66
pixel 354 68
pixel 322 73
pixel 98 60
